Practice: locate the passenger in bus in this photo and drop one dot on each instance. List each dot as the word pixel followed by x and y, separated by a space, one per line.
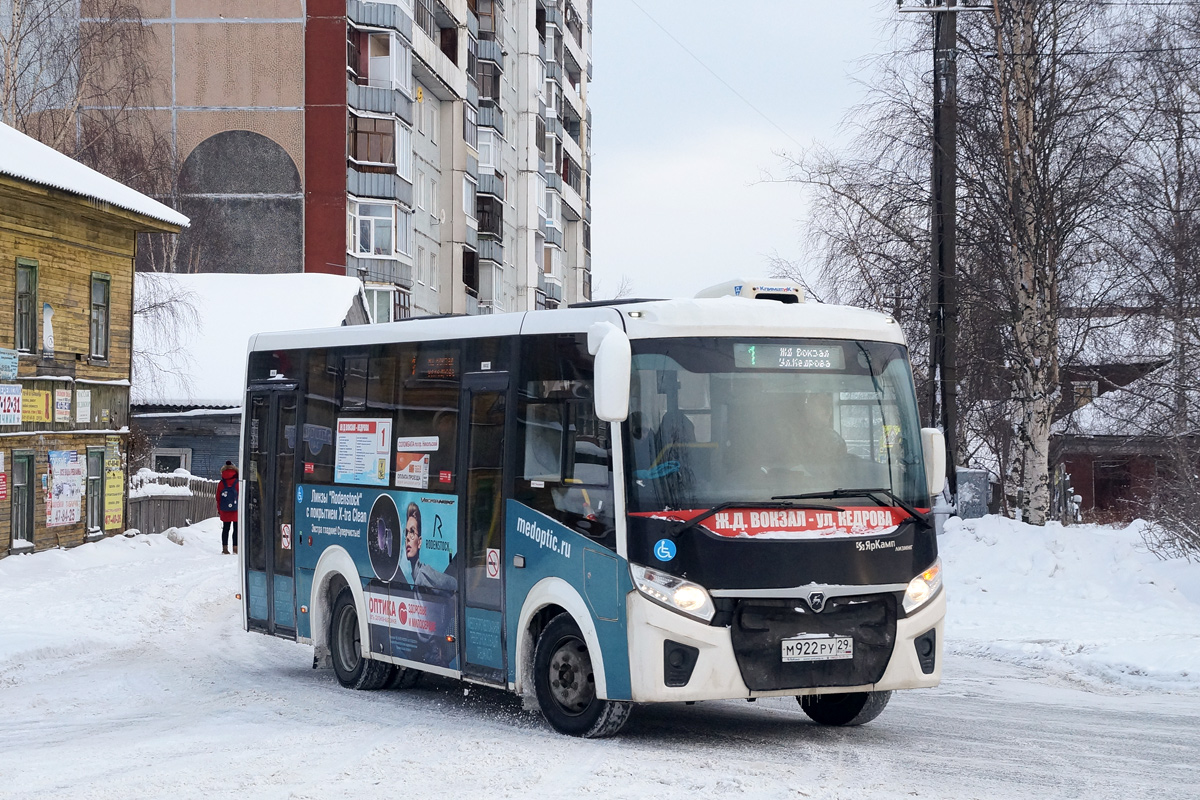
pixel 816 437
pixel 645 445
pixel 422 574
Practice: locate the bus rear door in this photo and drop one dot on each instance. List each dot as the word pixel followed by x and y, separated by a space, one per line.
pixel 268 513
pixel 485 396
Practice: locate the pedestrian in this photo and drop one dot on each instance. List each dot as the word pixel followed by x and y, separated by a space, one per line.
pixel 227 505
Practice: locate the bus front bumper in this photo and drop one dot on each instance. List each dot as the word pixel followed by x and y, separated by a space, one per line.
pixel 654 631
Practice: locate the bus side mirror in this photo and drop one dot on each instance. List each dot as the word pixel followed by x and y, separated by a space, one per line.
pixel 933 445
pixel 614 361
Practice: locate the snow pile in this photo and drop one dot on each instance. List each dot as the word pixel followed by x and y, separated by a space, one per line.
pixel 1085 603
pixel 205 365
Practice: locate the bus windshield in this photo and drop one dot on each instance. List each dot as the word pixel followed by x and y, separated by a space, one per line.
pixel 718 420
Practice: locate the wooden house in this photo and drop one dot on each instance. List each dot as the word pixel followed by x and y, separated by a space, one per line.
pixel 67 244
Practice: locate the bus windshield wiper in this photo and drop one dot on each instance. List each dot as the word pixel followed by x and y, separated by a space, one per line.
pixel 872 494
pixel 774 502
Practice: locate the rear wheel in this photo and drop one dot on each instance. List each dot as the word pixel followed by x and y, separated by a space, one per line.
pixel 851 708
pixel 566 686
pixel 353 670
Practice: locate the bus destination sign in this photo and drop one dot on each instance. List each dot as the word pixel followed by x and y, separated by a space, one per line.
pixel 789 356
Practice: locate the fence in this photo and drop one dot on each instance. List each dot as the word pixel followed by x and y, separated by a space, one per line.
pixel 158 501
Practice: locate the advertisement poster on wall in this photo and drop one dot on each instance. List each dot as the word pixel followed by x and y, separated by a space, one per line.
pixel 404 543
pixel 363 451
pixel 65 493
pixel 83 405
pixel 114 485
pixel 36 406
pixel 62 405
pixel 10 405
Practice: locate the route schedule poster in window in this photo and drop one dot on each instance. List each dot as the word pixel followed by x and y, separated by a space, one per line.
pixel 363 451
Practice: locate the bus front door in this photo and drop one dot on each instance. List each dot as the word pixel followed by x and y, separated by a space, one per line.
pixel 485 396
pixel 269 512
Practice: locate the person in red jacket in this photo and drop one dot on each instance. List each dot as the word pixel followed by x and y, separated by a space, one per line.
pixel 227 505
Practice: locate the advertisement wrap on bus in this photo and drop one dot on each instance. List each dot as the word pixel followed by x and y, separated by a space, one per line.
pixel 602 506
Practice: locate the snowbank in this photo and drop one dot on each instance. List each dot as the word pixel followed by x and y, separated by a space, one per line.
pixel 205 365
pixel 1084 603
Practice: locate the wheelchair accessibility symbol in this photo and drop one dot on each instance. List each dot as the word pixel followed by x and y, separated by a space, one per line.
pixel 299 494
pixel 664 549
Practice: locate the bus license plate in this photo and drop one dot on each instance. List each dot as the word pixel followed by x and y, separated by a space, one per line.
pixel 818 648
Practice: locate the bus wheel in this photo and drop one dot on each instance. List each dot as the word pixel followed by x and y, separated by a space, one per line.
pixel 345 646
pixel 405 678
pixel 851 708
pixel 566 688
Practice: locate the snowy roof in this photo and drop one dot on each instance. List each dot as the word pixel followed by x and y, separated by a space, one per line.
pixel 29 160
pixel 192 352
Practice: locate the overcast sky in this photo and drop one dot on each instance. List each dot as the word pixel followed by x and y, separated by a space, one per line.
pixel 677 157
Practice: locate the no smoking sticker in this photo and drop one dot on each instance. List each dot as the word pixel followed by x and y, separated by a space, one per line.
pixel 285 536
pixel 493 563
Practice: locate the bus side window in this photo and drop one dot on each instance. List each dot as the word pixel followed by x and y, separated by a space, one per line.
pixel 565 451
pixel 320 417
pixel 427 402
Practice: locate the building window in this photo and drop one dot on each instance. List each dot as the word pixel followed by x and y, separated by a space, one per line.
pixel 489 155
pixel 101 296
pixel 435 278
pixel 421 187
pixel 469 187
pixel 403 309
pixel 22 497
pixel 169 459
pixel 470 126
pixel 379 302
pixel 433 197
pixel 404 151
pixel 404 235
pixel 26 334
pixel 373 225
pixel 472 57
pixel 371 140
pixel 95 488
pixel 422 266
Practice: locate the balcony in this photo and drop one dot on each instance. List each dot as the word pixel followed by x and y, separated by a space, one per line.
pixel 380 185
pixel 379 100
pixel 553 235
pixel 554 72
pixel 491 250
pixel 382 270
pixel 550 287
pixel 491 183
pixel 397 16
pixel 490 116
pixel 490 50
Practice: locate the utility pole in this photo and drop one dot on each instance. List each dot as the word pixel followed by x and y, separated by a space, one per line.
pixel 943 284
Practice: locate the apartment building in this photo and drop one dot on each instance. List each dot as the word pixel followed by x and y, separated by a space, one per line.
pixel 437 150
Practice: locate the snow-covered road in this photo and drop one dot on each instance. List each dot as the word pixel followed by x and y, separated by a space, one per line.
pixel 124 674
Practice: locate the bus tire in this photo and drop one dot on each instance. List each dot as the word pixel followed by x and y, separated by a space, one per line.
pixel 566 688
pixel 849 708
pixel 353 670
pixel 405 678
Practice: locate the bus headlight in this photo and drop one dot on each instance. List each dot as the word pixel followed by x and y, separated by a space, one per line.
pixel 922 588
pixel 674 593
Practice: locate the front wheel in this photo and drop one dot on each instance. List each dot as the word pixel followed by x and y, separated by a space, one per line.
pixel 353 670
pixel 850 708
pixel 566 686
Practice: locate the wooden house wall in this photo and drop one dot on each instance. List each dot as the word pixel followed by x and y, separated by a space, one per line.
pixel 70 238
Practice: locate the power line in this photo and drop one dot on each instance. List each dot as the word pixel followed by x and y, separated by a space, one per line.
pixel 713 72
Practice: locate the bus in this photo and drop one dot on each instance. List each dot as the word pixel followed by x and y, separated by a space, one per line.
pixel 600 506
